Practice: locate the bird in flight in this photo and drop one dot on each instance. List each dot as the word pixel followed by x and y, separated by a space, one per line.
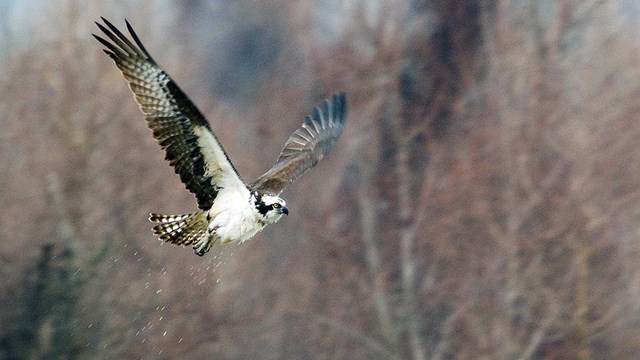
pixel 230 210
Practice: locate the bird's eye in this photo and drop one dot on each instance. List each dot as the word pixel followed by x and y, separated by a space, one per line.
pixel 275 206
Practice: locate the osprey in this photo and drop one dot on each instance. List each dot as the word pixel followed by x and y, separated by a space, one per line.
pixel 230 209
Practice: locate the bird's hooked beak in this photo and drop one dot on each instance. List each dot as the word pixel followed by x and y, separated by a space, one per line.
pixel 284 210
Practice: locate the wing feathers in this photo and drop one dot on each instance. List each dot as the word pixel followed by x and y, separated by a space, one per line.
pixel 178 126
pixel 184 133
pixel 135 38
pixel 307 145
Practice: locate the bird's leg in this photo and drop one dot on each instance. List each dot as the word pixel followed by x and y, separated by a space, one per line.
pixel 203 245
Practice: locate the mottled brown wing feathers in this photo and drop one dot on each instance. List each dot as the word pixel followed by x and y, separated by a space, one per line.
pixel 180 128
pixel 307 145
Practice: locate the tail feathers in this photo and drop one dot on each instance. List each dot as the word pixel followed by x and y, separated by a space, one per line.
pixel 184 230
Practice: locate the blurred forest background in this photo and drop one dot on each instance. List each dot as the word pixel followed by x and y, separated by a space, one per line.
pixel 483 202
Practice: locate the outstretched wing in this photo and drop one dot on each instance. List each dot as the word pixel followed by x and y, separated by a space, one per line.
pixel 307 145
pixel 182 131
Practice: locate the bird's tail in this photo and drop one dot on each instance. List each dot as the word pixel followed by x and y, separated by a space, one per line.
pixel 184 230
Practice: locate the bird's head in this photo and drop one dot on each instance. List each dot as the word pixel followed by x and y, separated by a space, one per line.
pixel 271 207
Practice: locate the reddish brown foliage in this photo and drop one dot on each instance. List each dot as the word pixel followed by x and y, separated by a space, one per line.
pixel 482 203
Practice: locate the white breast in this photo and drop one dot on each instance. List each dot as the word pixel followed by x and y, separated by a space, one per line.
pixel 234 217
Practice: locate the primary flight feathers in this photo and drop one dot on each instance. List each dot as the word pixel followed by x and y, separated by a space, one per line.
pixel 193 149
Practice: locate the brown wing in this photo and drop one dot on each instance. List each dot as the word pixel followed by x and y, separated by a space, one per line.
pixel 182 131
pixel 306 146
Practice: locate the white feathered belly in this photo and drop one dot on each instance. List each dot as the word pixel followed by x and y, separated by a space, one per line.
pixel 234 218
